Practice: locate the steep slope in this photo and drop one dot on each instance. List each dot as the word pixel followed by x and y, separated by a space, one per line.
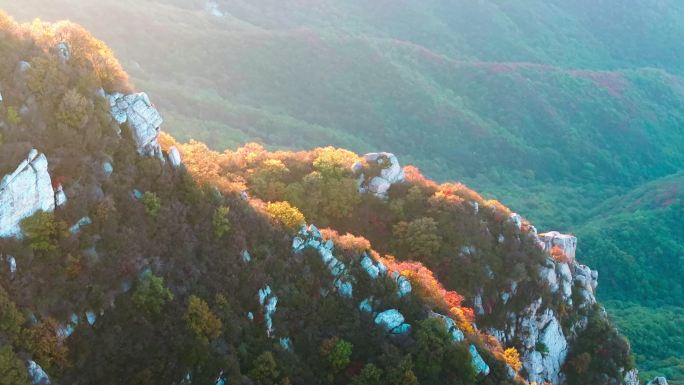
pixel 637 238
pixel 149 269
pixel 550 106
pixel 427 79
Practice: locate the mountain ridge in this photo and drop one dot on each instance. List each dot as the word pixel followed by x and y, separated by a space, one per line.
pixel 150 242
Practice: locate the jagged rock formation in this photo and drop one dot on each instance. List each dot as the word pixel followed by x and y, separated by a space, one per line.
pixel 658 381
pixel 390 172
pixel 632 378
pixel 310 237
pixel 269 302
pixel 556 243
pixel 24 192
pixel 456 333
pixel 143 119
pixel 544 344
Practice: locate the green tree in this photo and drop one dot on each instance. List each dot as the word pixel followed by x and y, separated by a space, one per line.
pixel 43 230
pixel 45 345
pixel 267 180
pixel 12 369
pixel 417 239
pixel 203 324
pixel 286 214
pixel 265 370
pixel 152 203
pixel 432 340
pixel 73 109
pixel 220 221
pixel 325 197
pixel 11 319
pixel 12 116
pixel 151 295
pixel 370 375
pixel 337 352
pixel 334 162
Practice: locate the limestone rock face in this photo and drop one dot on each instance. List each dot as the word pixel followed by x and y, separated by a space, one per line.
pixel 456 333
pixel 310 237
pixel 37 375
pixel 563 242
pixel 269 302
pixel 175 157
pixel 391 320
pixel 390 173
pixel 543 344
pixel 24 192
pixel 479 364
pixel 552 337
pixel 143 119
pixel 631 378
pixel 658 381
pixel 541 328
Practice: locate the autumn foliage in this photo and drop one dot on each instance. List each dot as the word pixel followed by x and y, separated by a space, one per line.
pixel 432 291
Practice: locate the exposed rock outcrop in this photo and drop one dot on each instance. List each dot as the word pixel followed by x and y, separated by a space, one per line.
pixel 175 157
pixel 63 52
pixel 479 364
pixel 658 381
pixel 60 196
pixel 269 302
pixel 631 378
pixel 382 172
pixel 392 321
pixel 544 345
pixel 556 243
pixel 142 117
pixel 456 333
pixel 24 192
pixel 37 375
pixel 310 237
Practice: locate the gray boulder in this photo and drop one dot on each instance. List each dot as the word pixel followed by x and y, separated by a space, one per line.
pixel 36 374
pixel 658 381
pixel 392 321
pixel 479 364
pixel 143 119
pixel 24 192
pixel 175 157
pixel 63 52
pixel 390 173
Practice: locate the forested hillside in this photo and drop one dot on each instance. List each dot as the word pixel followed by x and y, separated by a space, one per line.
pixel 130 258
pixel 576 103
pixel 637 238
pixel 558 109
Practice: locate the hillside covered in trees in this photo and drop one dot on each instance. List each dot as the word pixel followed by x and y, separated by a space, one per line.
pixel 150 261
pixel 552 107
